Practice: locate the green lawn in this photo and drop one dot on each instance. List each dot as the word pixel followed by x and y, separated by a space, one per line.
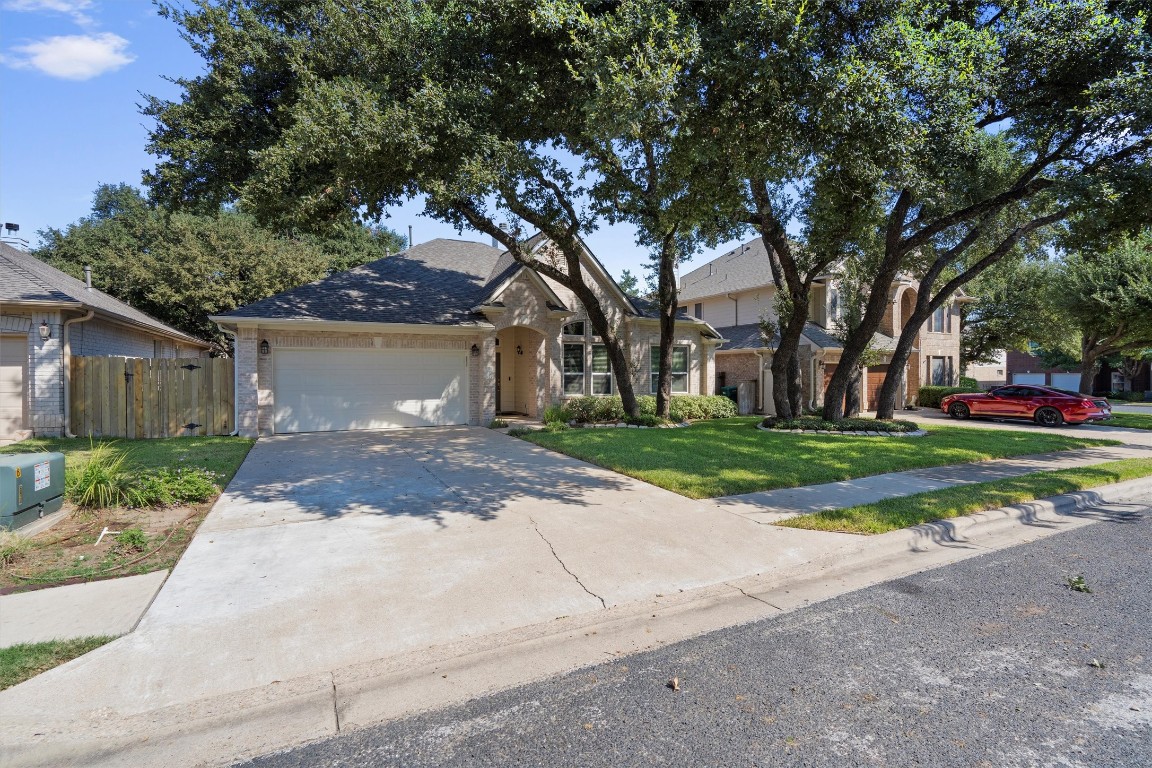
pixel 1131 420
pixel 730 456
pixel 21 662
pixel 893 514
pixel 217 454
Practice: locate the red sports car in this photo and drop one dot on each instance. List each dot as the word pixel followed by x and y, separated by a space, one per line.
pixel 1046 406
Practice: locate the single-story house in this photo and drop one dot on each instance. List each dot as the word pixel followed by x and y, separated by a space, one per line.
pixel 446 332
pixel 46 317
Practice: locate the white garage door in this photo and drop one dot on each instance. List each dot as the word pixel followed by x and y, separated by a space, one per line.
pixel 13 362
pixel 1069 381
pixel 1028 378
pixel 340 389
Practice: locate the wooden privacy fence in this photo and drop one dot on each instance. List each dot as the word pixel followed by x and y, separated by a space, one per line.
pixel 141 397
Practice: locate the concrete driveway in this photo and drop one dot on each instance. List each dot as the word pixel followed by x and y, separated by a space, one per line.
pixel 330 550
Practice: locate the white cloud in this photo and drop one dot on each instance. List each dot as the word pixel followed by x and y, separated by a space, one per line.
pixel 73 57
pixel 74 8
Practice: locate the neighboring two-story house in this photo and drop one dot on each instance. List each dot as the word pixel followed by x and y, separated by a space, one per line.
pixel 734 291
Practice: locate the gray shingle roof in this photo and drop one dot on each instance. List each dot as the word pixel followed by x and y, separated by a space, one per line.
pixel 738 270
pixel 433 283
pixel 749 337
pixel 24 278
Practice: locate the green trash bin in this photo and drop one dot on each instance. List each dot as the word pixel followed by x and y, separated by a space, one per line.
pixel 729 392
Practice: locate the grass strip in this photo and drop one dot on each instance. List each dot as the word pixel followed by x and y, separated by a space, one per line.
pixel 1130 420
pixel 26 660
pixel 894 514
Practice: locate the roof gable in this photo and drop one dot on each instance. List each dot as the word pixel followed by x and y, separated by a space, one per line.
pixel 741 269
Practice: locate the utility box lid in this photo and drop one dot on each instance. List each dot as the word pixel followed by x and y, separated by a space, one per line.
pixel 30 480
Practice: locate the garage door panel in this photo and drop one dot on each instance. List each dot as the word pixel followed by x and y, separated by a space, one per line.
pixel 1069 381
pixel 333 390
pixel 1028 378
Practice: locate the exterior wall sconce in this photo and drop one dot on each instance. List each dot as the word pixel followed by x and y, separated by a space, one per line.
pixel 475 351
pixel 45 331
pixel 519 349
pixel 264 347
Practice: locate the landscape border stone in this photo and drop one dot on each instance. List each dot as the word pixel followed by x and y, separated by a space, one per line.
pixel 855 432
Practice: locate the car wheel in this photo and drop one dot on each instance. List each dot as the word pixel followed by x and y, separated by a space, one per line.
pixel 1049 417
pixel 959 411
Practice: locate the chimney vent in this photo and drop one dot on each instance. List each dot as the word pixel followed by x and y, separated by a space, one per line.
pixel 88 276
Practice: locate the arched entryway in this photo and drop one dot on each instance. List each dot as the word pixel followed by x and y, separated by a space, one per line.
pixel 520 371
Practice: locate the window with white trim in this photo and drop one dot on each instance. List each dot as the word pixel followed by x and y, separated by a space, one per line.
pixel 940 320
pixel 601 370
pixel 574 329
pixel 573 369
pixel 940 371
pixel 679 377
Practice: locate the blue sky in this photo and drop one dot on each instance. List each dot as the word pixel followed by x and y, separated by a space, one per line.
pixel 72 75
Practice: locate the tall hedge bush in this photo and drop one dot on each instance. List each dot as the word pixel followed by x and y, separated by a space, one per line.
pixel 930 397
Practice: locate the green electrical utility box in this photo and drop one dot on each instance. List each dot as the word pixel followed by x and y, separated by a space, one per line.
pixel 31 486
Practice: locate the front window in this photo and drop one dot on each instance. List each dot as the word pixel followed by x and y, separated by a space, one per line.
pixel 679 369
pixel 574 329
pixel 573 369
pixel 601 370
pixel 940 371
pixel 698 310
pixel 939 321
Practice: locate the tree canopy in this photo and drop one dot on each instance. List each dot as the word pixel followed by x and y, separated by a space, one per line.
pixel 182 267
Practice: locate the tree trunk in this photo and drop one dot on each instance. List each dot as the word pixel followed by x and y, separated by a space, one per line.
pixel 852 396
pixel 795 386
pixel 1089 362
pixel 666 288
pixel 617 355
pixel 780 388
pixel 890 390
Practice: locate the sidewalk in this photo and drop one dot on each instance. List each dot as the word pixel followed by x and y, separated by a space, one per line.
pixel 250 650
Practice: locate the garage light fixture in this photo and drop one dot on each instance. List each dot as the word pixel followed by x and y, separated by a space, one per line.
pixel 45 331
pixel 475 351
pixel 264 347
pixel 519 349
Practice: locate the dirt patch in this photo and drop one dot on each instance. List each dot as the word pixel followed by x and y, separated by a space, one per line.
pixel 73 550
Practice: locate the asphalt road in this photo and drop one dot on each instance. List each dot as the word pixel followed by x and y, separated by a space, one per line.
pixel 991 662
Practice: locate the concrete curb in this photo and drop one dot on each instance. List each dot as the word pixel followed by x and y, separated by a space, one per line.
pixel 245 724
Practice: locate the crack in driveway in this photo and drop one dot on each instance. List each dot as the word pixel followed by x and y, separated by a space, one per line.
pixel 562 565
pixel 753 597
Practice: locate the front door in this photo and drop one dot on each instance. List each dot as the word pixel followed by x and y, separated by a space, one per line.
pixel 499 402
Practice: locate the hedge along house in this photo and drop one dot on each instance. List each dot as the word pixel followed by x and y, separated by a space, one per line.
pixel 446 332
pixel 46 318
pixel 734 291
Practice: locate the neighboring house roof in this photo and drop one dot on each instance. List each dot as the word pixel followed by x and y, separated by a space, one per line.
pixel 24 279
pixel 749 336
pixel 741 269
pixel 433 283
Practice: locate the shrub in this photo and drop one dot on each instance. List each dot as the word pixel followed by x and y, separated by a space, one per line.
pixel 966 381
pixel 581 409
pixel 187 485
pixel 647 420
pixel 554 426
pixel 810 423
pixel 556 413
pixel 930 397
pixel 132 540
pixel 608 409
pixel 519 431
pixel 497 424
pixel 102 481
